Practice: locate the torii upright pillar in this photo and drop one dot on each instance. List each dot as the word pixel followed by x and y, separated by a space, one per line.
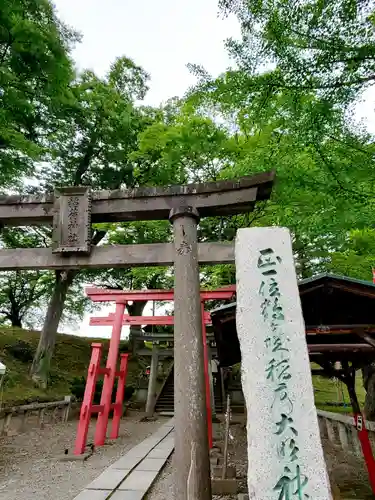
pixel 191 456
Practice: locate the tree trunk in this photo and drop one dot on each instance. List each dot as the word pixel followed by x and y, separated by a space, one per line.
pixel 16 321
pixel 368 375
pixel 15 318
pixel 135 309
pixel 42 359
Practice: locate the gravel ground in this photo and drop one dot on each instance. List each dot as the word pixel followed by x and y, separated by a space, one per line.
pixel 29 469
pixel 346 470
pixel 163 488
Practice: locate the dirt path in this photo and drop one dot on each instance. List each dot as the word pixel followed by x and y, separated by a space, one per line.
pixel 29 469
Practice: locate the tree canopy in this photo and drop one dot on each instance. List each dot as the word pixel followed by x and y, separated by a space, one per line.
pixel 35 71
pixel 286 104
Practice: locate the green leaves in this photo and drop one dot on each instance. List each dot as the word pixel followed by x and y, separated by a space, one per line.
pixel 286 104
pixel 35 71
pixel 129 80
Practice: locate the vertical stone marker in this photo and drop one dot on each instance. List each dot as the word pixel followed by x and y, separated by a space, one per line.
pixel 284 449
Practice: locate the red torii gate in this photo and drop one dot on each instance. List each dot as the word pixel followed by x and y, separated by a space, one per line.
pixel 117 320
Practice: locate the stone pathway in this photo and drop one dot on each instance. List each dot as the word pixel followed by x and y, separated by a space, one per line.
pixel 133 474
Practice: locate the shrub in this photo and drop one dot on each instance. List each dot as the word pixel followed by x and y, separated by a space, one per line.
pixel 78 385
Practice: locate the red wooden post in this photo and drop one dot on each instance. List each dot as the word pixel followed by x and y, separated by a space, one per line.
pixel 207 379
pixel 366 448
pixel 120 394
pixel 109 377
pixel 88 399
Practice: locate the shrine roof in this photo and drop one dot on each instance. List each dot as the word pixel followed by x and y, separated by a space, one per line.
pixel 335 310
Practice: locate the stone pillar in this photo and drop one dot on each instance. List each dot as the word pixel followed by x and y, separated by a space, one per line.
pixel 285 456
pixel 189 383
pixel 151 393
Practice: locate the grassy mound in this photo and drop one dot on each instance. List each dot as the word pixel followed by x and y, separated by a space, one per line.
pixel 71 359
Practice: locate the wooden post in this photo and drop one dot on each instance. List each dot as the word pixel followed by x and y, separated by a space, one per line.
pixel 222 386
pixel 88 398
pixel 109 377
pixel 226 438
pixel 68 399
pixel 360 424
pixel 120 395
pixel 212 389
pixel 54 417
pixel 23 421
pixel 6 424
pixel 207 368
pixel 151 392
pixel 41 418
pixel 189 382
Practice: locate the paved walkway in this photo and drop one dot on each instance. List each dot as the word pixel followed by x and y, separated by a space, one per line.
pixel 132 475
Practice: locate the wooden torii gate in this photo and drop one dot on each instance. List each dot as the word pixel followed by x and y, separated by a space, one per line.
pixel 71 210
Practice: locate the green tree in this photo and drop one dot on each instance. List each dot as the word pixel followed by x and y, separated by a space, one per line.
pixel 327 47
pixel 358 257
pixel 24 294
pixel 130 278
pixel 91 146
pixel 35 71
pixel 300 68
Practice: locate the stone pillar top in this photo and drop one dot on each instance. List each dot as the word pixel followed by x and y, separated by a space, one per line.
pixel 183 211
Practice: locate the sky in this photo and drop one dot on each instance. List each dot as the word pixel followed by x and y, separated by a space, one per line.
pixel 163 37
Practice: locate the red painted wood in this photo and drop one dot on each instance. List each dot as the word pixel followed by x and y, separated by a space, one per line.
pixel 97 408
pixel 103 295
pixel 117 320
pixel 109 378
pixel 117 414
pixel 139 320
pixel 88 398
pixel 366 448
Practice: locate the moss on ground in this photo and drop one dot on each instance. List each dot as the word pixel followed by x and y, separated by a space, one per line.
pixel 71 359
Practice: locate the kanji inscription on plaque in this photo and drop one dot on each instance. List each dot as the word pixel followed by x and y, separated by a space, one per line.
pixel 72 220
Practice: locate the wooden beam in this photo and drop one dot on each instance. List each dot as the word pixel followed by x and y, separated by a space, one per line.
pixel 107 294
pixel 138 320
pixel 354 290
pixel 338 329
pixel 156 254
pixel 340 348
pixel 226 197
pixel 365 336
